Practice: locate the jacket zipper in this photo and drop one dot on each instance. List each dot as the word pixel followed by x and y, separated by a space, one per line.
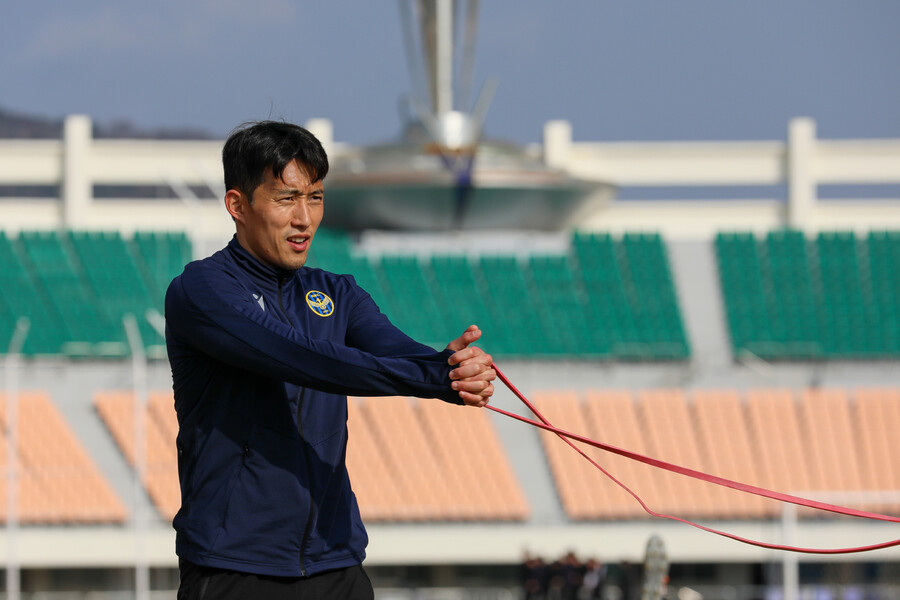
pixel 309 515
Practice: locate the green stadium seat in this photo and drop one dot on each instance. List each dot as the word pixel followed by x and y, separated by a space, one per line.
pixel 829 297
pixel 561 305
pixel 19 298
pixel 160 256
pixel 510 307
pixel 408 300
pixel 460 297
pixel 331 250
pixel 59 281
pixel 75 288
pixel 631 307
pixel 115 280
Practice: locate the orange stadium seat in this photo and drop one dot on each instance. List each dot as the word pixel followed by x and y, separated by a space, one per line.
pixel 116 409
pixel 470 449
pixel 875 414
pixel 614 420
pixel 774 421
pixel 729 451
pixel 580 490
pixel 403 456
pixel 411 460
pixel 828 434
pixel 783 440
pixel 665 419
pixel 379 494
pixel 58 481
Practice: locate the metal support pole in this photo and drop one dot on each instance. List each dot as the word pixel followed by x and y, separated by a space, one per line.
pixel 443 64
pixel 139 382
pixel 11 368
pixel 789 562
pixel 192 202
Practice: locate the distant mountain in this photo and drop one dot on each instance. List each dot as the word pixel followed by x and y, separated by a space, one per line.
pixel 15 125
pixel 18 125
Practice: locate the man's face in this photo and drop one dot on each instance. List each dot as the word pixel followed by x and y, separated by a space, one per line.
pixel 279 225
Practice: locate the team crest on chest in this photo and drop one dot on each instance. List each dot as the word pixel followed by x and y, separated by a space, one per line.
pixel 319 303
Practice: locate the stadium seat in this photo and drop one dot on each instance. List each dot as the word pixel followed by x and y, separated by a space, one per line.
pixel 460 296
pixel 728 450
pixel 631 308
pixel 615 420
pixel 411 459
pixel 792 298
pixel 513 315
pixel 883 264
pixel 116 410
pixel 115 281
pixel 20 298
pixel 380 497
pixel 875 413
pixel 455 432
pixel 57 274
pixel 75 288
pixel 829 436
pixel 160 256
pixel 331 250
pixel 58 481
pixel 561 306
pixel 669 429
pixel 407 462
pixel 790 441
pixel 409 302
pixel 582 492
pixel 403 455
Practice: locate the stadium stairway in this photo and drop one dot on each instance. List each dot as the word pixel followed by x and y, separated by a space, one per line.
pixel 700 298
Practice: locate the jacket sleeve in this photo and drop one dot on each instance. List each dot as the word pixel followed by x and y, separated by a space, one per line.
pixel 208 310
pixel 370 330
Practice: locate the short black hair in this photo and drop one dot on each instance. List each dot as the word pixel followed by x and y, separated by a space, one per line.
pixel 254 147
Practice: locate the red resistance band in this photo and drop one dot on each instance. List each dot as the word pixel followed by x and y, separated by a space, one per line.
pixel 743 487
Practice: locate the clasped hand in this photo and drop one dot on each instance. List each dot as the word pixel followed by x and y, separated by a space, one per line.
pixel 474 370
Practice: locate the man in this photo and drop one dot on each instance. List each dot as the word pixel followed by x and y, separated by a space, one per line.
pixel 263 353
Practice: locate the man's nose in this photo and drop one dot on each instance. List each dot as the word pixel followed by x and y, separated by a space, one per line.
pixel 301 214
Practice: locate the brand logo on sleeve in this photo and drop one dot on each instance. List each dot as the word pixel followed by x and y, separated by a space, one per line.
pixel 319 303
pixel 260 301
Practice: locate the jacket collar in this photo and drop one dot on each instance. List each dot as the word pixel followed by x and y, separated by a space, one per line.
pixel 261 273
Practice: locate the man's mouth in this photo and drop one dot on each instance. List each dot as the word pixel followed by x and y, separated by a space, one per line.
pixel 298 243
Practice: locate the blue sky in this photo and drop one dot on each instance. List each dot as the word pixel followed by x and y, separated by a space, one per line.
pixel 618 70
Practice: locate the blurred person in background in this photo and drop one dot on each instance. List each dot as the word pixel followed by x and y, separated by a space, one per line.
pixel 534 577
pixel 593 581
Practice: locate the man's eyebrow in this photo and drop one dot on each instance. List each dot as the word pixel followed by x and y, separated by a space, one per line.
pixel 286 191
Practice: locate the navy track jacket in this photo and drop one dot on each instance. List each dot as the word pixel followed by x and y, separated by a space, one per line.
pixel 262 361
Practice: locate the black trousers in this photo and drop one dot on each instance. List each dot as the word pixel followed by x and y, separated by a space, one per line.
pixel 207 583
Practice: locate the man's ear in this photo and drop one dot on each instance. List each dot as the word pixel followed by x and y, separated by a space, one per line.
pixel 236 204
